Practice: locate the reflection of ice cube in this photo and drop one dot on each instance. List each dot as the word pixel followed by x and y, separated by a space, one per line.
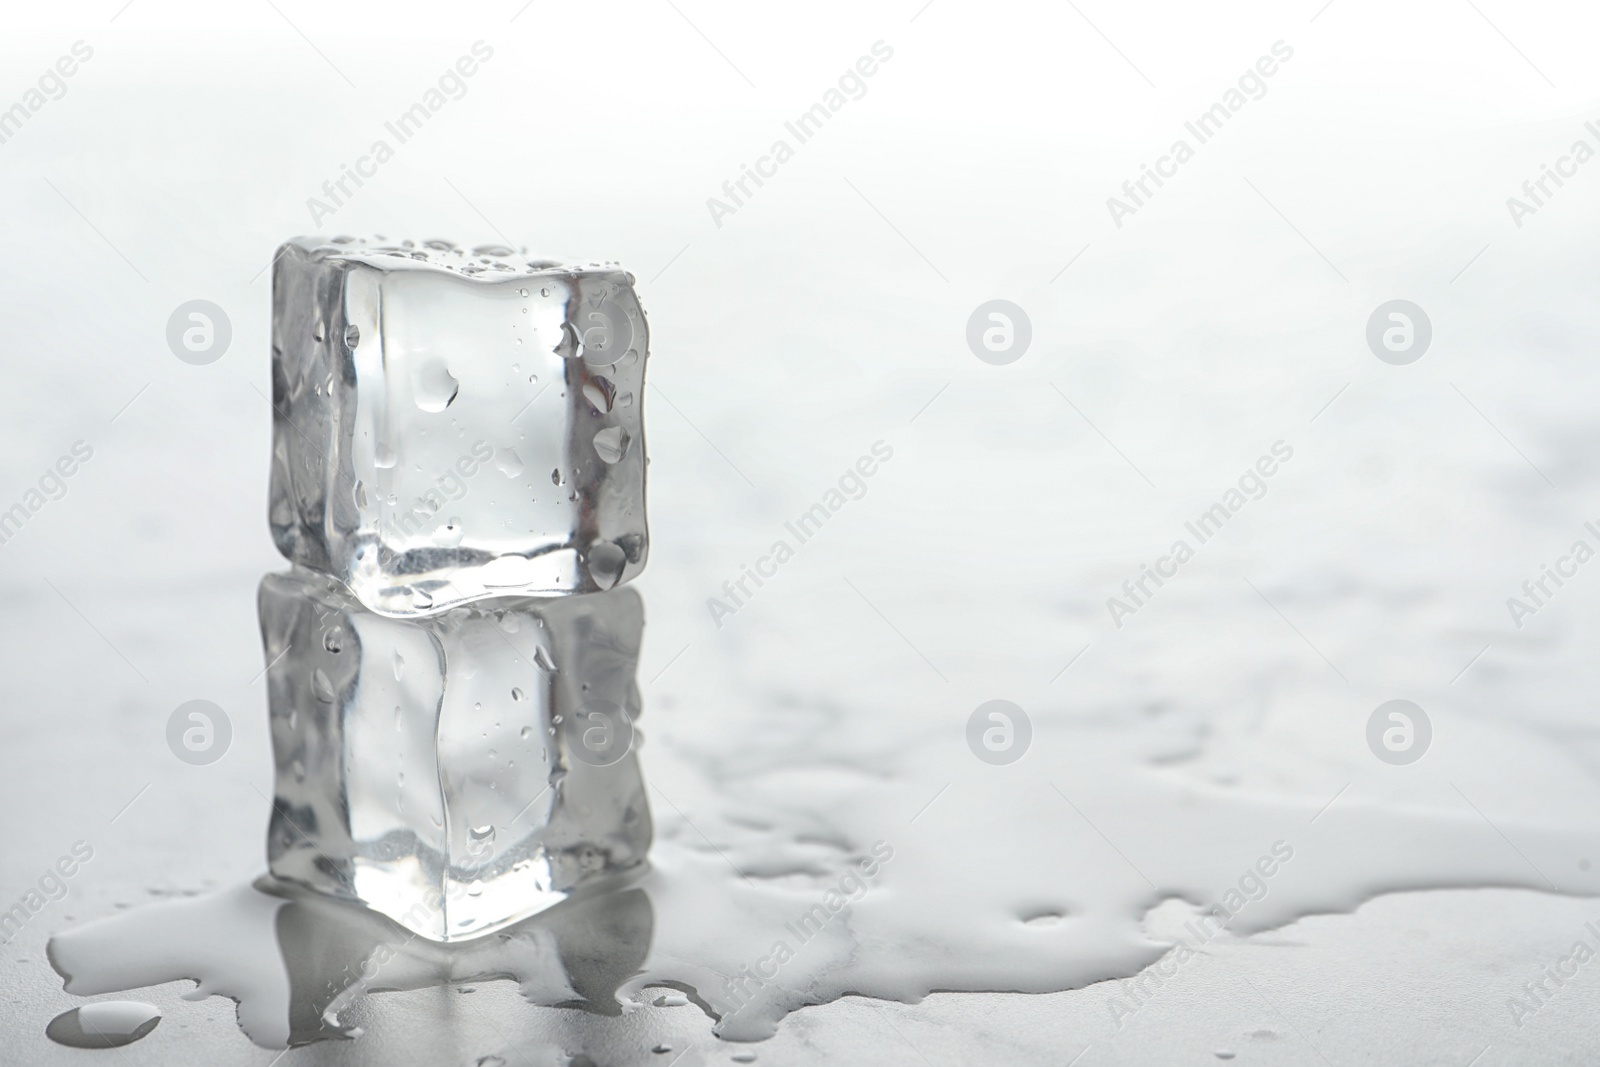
pixel 457 772
pixel 419 392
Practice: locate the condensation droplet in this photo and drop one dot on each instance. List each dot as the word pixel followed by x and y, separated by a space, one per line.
pixel 321 687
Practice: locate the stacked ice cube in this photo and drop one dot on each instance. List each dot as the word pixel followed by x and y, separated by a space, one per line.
pixel 458 478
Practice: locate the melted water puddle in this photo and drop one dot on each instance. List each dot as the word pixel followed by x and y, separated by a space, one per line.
pixel 1020 883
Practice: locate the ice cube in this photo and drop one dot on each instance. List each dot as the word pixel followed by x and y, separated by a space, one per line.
pixel 457 772
pixel 421 392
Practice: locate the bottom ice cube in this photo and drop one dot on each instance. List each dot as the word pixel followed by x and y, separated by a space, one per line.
pixel 456 773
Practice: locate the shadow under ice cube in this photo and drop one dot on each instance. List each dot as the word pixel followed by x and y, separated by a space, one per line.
pixel 458 772
pixel 451 426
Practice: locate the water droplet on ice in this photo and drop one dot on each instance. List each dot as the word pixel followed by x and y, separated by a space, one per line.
pixel 361 496
pixel 399 665
pixel 352 337
pixel 433 385
pixel 555 476
pixel 384 457
pixel 450 534
pixel 516 694
pixel 598 393
pixel 421 599
pixel 321 686
pixel 611 444
pixel 333 640
pixel 507 462
pixel 106 1024
pixel 606 561
pixel 525 733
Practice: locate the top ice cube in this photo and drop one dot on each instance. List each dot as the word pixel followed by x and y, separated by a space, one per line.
pixel 453 425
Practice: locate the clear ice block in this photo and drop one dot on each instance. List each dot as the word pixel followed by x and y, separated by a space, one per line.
pixel 450 426
pixel 458 772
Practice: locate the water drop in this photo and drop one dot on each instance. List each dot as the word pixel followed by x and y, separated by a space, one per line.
pixel 352 337
pixel 399 665
pixel 611 444
pixel 606 561
pixel 333 640
pixel 507 462
pixel 361 496
pixel 598 392
pixel 105 1024
pixel 421 599
pixel 321 687
pixel 516 694
pixel 525 733
pixel 383 456
pixel 433 385
pixel 449 535
pixel 555 476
